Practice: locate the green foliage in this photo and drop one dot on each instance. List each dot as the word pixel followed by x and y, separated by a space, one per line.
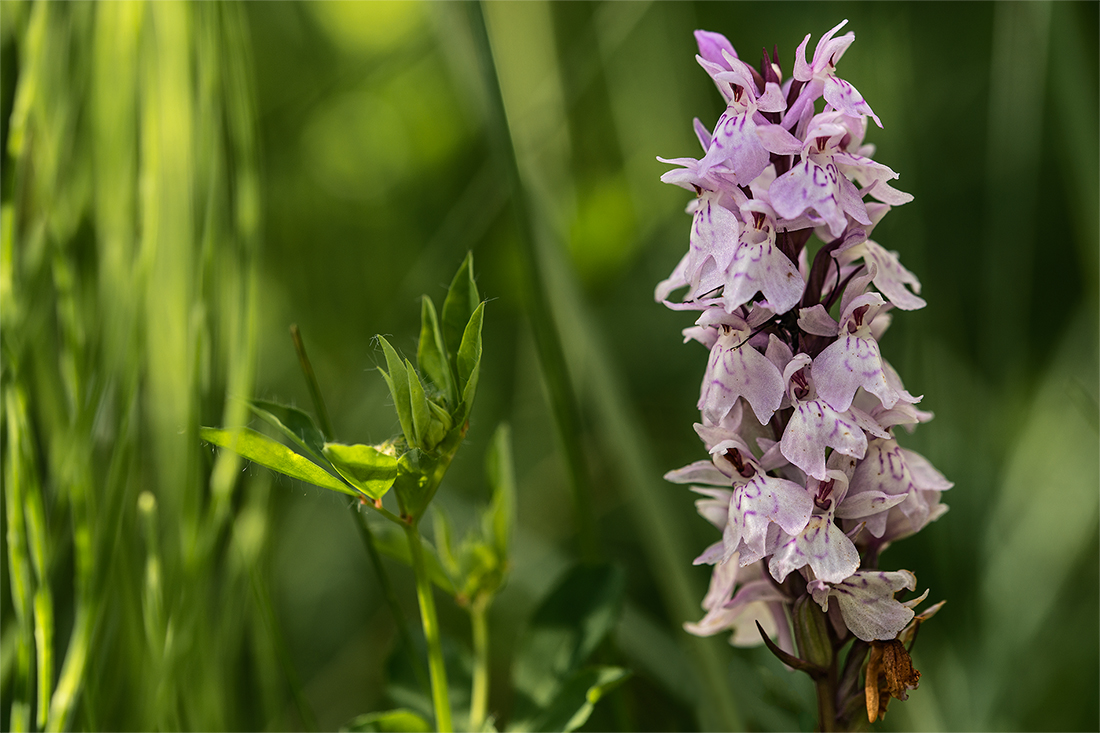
pixel 478 566
pixel 576 699
pixel 563 633
pixel 364 467
pixel 294 424
pixel 388 721
pixel 431 353
pixel 263 450
pixel 458 309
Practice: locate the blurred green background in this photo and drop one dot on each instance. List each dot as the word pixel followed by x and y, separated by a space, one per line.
pixel 183 181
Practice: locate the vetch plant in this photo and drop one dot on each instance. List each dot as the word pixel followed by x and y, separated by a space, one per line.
pixel 805 479
pixel 433 402
pixel 432 407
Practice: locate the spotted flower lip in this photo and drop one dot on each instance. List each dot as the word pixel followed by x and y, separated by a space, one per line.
pixel 866 601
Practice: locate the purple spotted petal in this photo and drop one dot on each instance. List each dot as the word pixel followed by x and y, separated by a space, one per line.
pixel 883 470
pixel 759 267
pixel 822 546
pixel 867 603
pixel 736 144
pixel 846 98
pixel 714 236
pixel 736 369
pixel 892 278
pixel 810 187
pixel 847 364
pixel 763 501
pixel 813 427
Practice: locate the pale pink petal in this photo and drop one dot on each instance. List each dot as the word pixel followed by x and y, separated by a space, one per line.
pixel 816 320
pixel 759 266
pixel 736 144
pixel 892 278
pixel 846 365
pixel 762 501
pixel 813 427
pixel 699 472
pixel 809 186
pixel 711 45
pixel 713 554
pixel 867 603
pixel 738 370
pixel 821 545
pixel 716 508
pixel 846 98
pixel 925 475
pixel 777 140
pixel 866 504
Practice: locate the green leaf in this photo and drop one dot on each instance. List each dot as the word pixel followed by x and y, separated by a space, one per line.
pixel 469 363
pixel 365 467
pixel 295 424
pixel 263 450
pixel 577 698
pixel 392 542
pixel 421 413
pixel 461 301
pixel 498 520
pixel 431 353
pixel 388 721
pixel 469 352
pixel 398 381
pixel 441 527
pixel 564 632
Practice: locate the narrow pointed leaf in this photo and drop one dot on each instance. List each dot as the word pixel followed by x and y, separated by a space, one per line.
pixel 500 516
pixel 442 536
pixel 261 449
pixel 461 301
pixel 469 352
pixel 397 379
pixel 295 424
pixel 421 413
pixel 365 467
pixel 431 353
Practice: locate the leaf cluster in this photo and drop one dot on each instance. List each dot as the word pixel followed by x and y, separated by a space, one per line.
pixel 433 407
